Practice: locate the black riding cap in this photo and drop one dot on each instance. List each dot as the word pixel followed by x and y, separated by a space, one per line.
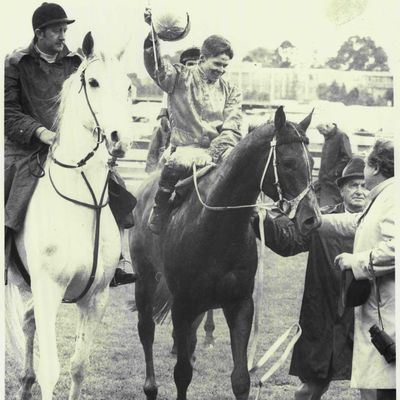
pixel 49 14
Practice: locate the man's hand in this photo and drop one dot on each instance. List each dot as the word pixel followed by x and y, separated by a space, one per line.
pixel 202 159
pixel 46 136
pixel 344 261
pixel 147 15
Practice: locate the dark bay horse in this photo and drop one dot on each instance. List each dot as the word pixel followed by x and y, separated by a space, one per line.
pixel 208 258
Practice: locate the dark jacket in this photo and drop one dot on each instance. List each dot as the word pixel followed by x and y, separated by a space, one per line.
pixel 31 96
pixel 336 153
pixel 31 99
pixel 324 349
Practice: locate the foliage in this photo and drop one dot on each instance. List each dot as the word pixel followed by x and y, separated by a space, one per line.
pixel 145 87
pixel 284 56
pixel 359 53
pixel 334 92
pixel 260 55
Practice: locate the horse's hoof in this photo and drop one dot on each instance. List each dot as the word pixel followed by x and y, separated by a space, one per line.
pixel 23 395
pixel 150 392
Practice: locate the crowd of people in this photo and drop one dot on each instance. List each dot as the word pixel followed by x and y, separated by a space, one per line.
pixel 200 123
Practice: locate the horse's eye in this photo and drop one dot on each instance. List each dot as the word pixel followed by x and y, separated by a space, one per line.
pixel 93 82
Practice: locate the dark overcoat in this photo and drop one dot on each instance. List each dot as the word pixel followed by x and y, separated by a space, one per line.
pixel 336 153
pixel 324 349
pixel 31 99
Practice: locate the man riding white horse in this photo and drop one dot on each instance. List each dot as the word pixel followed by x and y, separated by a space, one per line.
pixel 33 81
pixel 204 109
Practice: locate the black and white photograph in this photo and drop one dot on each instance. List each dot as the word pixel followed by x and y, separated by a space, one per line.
pixel 199 199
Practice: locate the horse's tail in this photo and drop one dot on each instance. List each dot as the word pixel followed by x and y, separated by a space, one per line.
pixel 14 317
pixel 162 301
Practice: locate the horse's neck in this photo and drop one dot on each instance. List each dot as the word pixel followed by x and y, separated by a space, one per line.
pixel 239 176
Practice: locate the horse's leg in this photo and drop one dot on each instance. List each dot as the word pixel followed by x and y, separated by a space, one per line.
pixel 196 324
pixel 28 378
pixel 47 298
pixel 91 311
pixel 144 295
pixel 209 328
pixel 239 317
pixel 186 343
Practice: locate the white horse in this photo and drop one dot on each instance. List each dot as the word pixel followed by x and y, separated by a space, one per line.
pixel 57 243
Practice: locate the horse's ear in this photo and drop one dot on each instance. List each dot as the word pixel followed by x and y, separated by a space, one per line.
pixel 88 45
pixel 306 122
pixel 280 118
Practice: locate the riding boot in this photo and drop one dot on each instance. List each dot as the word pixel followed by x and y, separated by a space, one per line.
pixel 170 175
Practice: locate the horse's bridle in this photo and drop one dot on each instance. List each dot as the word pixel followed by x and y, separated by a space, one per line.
pixel 96 130
pixel 287 207
pixel 97 206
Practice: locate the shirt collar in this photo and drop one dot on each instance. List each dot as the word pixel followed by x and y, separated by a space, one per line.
pixel 63 53
pixel 379 188
pixel 47 57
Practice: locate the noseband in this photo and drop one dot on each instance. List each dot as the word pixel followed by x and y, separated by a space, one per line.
pixel 287 207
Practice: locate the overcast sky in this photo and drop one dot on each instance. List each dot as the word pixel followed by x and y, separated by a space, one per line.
pixel 321 25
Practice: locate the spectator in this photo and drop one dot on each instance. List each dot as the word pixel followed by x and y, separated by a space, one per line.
pixel 336 153
pixel 373 258
pixel 324 350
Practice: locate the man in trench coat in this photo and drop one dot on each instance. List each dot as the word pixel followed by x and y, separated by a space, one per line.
pixel 324 350
pixel 373 254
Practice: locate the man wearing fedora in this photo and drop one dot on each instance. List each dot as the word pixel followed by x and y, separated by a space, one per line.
pixel 34 77
pixel 324 351
pixel 161 134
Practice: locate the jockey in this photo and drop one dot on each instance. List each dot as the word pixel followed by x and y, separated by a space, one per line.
pixel 162 134
pixel 33 81
pixel 204 113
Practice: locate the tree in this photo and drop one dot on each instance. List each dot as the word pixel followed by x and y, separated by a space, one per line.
pixel 359 53
pixel 260 55
pixel 285 56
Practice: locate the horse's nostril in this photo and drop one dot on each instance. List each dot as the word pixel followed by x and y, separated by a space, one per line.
pixel 114 136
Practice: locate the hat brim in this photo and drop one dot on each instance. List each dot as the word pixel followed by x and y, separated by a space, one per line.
pixel 342 180
pixel 56 21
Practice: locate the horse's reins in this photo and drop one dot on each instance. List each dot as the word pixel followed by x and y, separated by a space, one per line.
pixel 291 204
pixel 290 211
pixel 96 206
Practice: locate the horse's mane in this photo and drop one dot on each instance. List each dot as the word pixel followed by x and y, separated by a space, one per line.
pixel 62 100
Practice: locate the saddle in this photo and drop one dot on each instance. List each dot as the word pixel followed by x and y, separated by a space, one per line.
pixel 186 185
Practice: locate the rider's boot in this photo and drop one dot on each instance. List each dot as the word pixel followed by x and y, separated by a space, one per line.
pixel 160 212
